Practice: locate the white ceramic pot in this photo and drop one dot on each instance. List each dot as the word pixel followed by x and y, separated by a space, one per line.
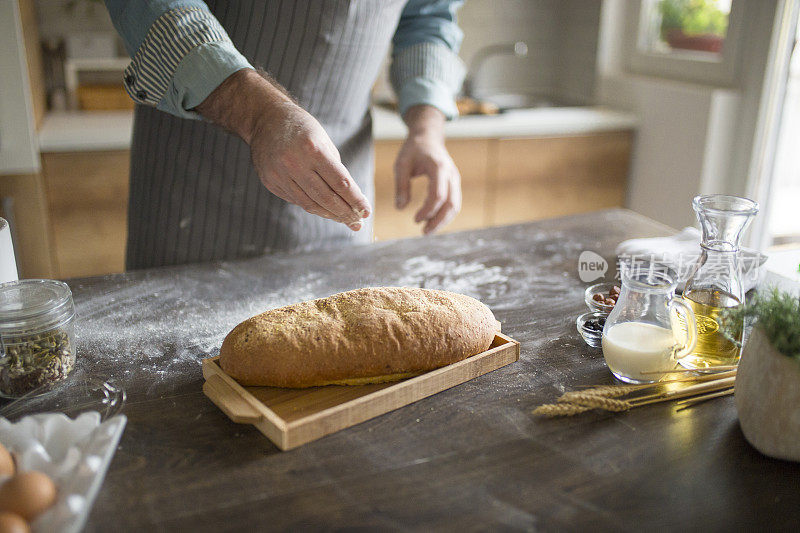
pixel 768 398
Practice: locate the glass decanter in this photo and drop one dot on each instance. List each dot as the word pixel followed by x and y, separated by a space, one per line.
pixel 646 333
pixel 715 284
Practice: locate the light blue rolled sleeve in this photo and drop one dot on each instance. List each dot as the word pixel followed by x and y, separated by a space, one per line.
pixel 425 65
pixel 180 53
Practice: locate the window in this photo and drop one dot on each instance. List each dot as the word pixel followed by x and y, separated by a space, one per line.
pixel 697 27
pixel 691 40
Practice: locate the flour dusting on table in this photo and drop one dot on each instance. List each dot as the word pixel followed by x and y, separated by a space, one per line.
pixel 157 330
pixel 154 327
pixel 470 277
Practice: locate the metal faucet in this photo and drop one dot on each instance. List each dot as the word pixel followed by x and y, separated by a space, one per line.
pixel 519 49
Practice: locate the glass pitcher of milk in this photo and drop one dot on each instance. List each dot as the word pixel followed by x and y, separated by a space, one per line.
pixel 649 329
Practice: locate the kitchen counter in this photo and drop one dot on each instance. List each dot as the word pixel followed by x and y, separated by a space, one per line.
pixel 111 130
pixel 538 122
pixel 86 131
pixel 470 458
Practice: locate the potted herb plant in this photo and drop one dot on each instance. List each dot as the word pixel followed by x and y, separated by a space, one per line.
pixel 767 388
pixel 693 24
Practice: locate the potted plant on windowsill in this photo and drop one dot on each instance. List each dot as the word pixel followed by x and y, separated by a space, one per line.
pixel 697 25
pixel 767 388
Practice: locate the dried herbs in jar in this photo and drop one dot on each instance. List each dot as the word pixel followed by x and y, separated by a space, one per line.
pixel 36 335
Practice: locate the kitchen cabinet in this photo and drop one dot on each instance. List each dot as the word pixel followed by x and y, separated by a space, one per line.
pixel 87 200
pixel 504 181
pixel 22 107
pixel 23 204
pixel 548 177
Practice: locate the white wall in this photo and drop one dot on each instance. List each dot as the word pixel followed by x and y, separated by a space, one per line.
pixel 562 47
pixel 58 18
pixel 576 50
pixel 682 144
pixel 692 139
pixel 487 22
pixel 561 37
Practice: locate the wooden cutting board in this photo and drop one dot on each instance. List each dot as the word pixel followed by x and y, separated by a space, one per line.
pixel 291 417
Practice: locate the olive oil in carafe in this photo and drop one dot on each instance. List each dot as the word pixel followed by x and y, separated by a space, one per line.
pixel 714 348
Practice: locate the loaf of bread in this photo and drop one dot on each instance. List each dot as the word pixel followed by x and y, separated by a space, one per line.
pixel 363 336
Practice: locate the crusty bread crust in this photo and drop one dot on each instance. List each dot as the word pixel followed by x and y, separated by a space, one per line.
pixel 361 336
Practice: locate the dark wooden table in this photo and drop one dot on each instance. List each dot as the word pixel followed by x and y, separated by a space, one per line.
pixel 470 458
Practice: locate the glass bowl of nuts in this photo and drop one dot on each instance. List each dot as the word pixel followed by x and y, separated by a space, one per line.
pixel 601 297
pixel 37 344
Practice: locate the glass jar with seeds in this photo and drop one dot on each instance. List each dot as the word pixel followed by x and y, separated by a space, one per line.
pixel 37 345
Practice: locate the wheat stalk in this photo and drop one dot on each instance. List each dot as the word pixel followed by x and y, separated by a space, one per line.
pixel 607 391
pixel 691 390
pixel 601 402
pixel 576 402
pixel 615 391
pixel 691 402
pixel 707 370
pixel 560 409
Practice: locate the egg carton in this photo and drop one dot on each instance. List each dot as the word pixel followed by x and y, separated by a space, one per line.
pixel 74 452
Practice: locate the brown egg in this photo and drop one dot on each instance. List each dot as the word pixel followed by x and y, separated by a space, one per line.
pixel 6 462
pixel 27 494
pixel 13 523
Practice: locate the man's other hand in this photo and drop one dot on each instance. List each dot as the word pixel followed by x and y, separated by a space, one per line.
pixel 424 154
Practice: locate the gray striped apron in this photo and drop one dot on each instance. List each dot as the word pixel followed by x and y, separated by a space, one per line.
pixel 195 195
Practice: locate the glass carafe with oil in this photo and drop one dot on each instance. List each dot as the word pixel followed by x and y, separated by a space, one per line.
pixel 715 281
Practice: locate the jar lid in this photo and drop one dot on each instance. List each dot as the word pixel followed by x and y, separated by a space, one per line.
pixel 34 303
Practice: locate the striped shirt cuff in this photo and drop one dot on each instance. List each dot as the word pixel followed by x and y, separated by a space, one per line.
pixel 427 73
pixel 184 57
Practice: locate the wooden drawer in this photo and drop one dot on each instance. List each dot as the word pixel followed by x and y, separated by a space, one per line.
pixel 24 197
pixel 94 179
pixel 87 196
pixel 522 202
pixel 504 181
pixel 548 177
pixel 602 157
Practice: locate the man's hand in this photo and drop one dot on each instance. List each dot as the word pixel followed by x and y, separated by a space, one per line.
pixel 294 157
pixel 424 153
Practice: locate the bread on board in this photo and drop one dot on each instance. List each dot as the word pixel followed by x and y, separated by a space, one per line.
pixel 362 336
